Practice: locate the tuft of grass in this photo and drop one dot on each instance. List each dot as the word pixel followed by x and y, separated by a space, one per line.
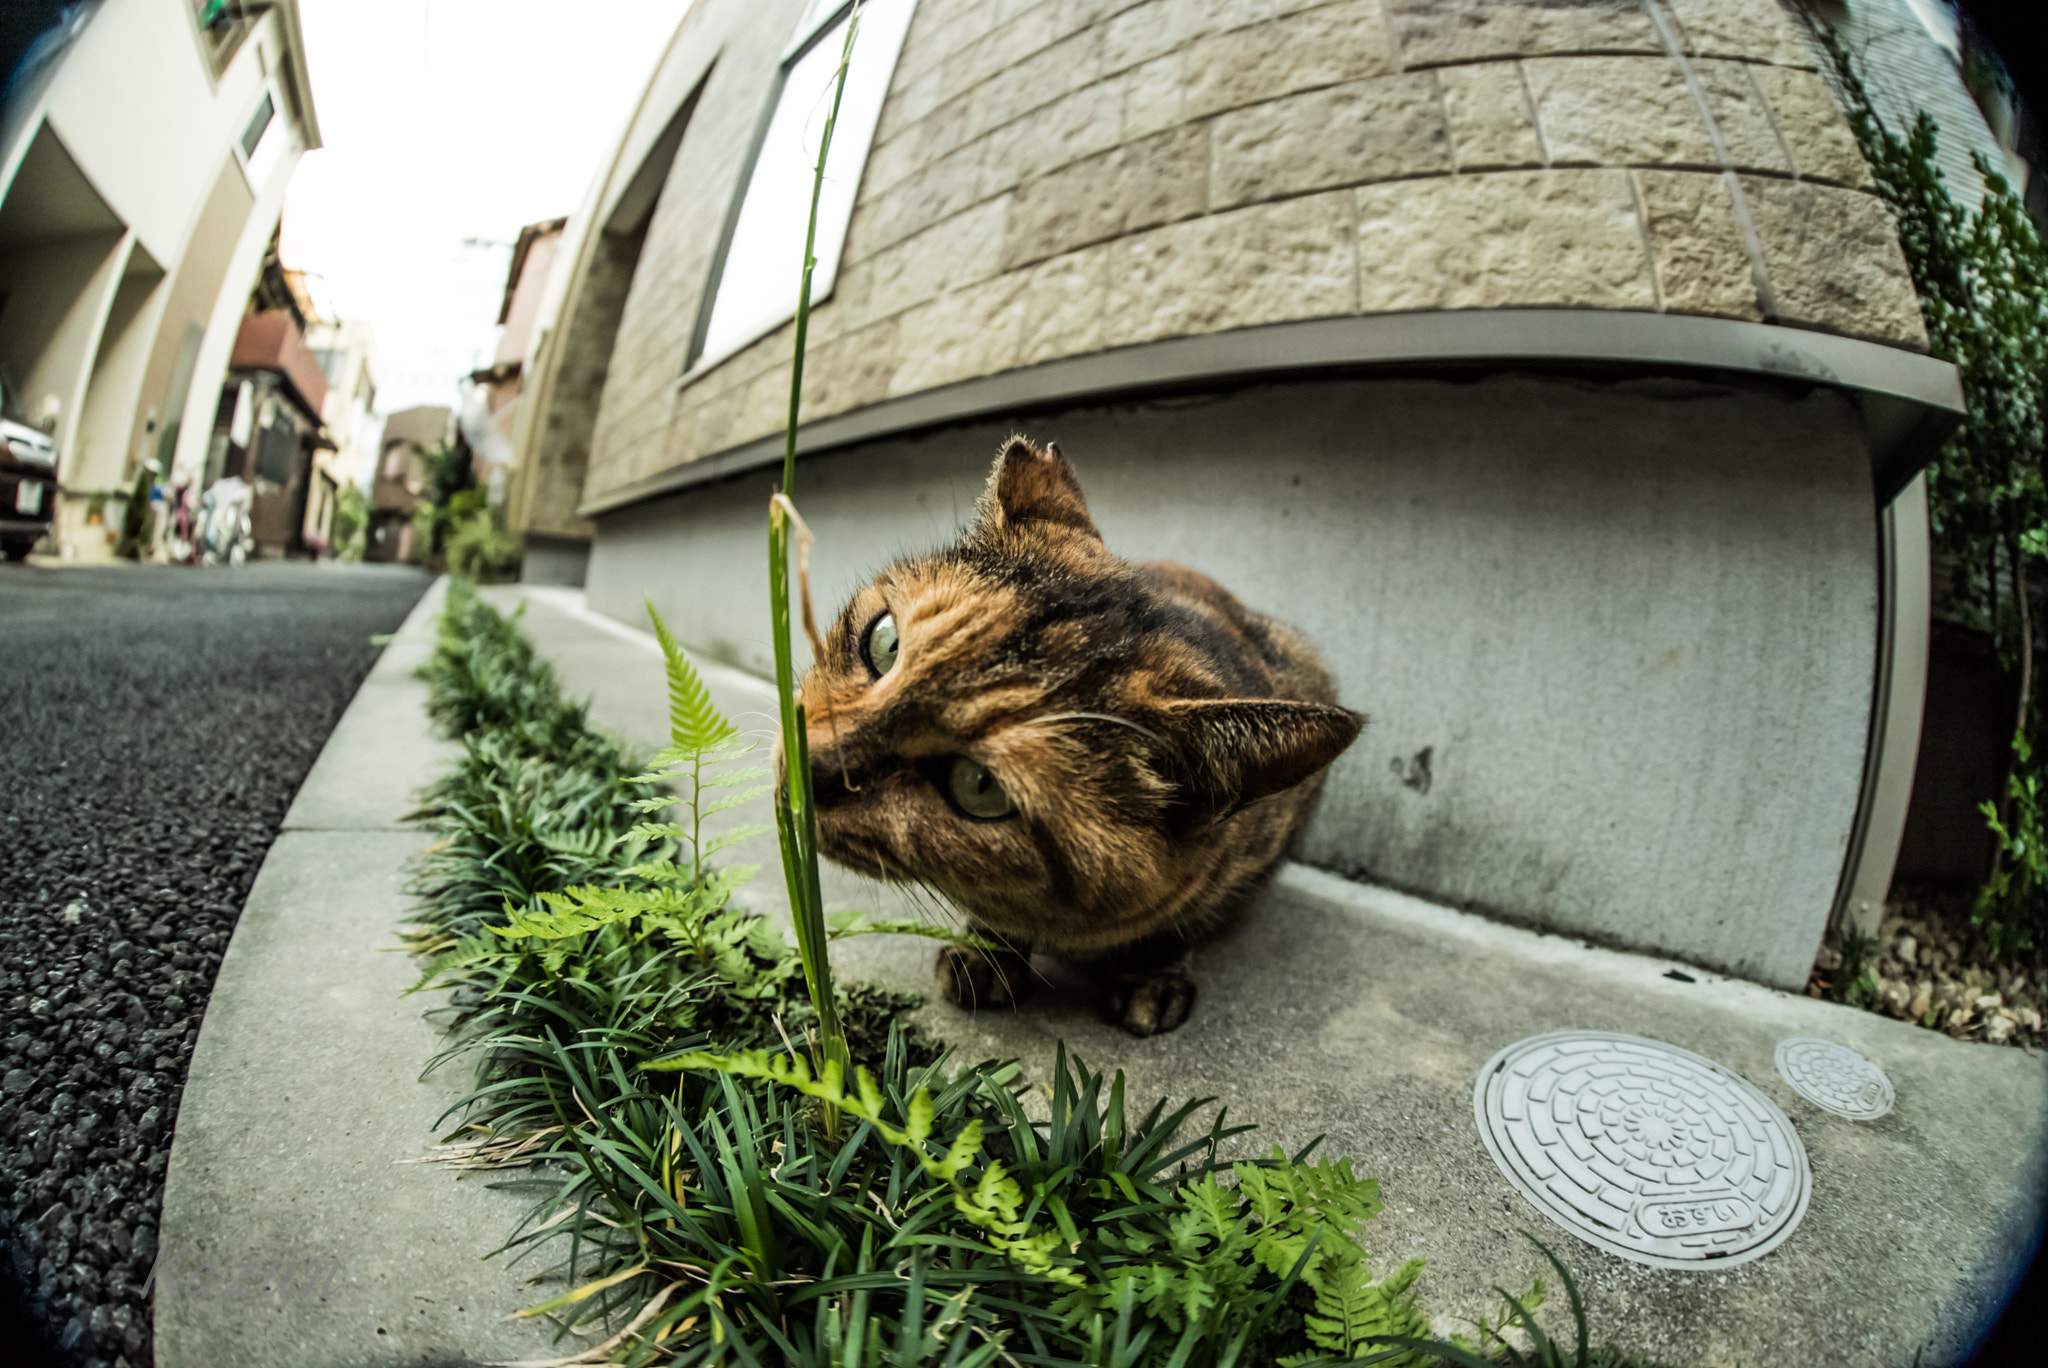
pixel 484 677
pixel 1852 980
pixel 480 548
pixel 551 897
pixel 1492 1348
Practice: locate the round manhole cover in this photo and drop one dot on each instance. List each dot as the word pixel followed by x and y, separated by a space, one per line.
pixel 1646 1150
pixel 1835 1078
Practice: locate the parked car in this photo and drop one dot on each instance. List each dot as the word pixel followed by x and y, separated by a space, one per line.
pixel 28 480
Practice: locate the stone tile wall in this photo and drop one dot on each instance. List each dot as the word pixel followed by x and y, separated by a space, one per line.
pixel 1055 178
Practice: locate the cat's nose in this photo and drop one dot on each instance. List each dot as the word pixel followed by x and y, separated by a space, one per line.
pixel 828 781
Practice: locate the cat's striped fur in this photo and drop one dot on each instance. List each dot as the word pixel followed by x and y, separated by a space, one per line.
pixel 1160 744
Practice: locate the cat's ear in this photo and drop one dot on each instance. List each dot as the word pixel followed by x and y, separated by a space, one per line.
pixel 1238 750
pixel 1029 485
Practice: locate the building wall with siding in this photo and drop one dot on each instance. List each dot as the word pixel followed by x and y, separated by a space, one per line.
pixel 1054 179
pixel 1906 71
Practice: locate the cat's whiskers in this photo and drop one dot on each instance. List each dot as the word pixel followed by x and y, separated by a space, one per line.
pixel 940 908
pixel 832 721
pixel 935 905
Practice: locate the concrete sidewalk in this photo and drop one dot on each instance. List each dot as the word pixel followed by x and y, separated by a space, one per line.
pixel 1361 1015
pixel 1336 1009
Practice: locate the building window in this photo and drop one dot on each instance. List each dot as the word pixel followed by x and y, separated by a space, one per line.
pixel 258 122
pixel 277 449
pixel 263 140
pixel 221 27
pixel 755 281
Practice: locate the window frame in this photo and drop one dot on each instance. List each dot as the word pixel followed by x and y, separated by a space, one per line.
pixel 218 53
pixel 265 109
pixel 278 128
pixel 823 15
pixel 825 18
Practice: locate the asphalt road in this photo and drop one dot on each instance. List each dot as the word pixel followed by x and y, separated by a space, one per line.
pixel 154 725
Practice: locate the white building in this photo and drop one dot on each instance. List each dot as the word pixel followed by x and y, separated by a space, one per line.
pixel 347 354
pixel 143 160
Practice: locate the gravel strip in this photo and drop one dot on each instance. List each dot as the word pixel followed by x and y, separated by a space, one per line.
pixel 154 726
pixel 1928 965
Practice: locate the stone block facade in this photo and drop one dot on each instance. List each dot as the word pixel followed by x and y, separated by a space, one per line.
pixel 1052 179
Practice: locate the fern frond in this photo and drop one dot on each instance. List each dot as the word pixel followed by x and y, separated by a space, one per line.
pixel 992 1204
pixel 726 778
pixel 663 764
pixel 720 884
pixel 474 950
pixel 571 913
pixel 1354 1313
pixel 764 938
pixel 694 724
pixel 583 842
pixel 727 839
pixel 658 873
pixel 840 925
pixel 730 800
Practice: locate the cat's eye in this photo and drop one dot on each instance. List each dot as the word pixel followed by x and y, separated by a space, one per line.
pixel 975 790
pixel 879 645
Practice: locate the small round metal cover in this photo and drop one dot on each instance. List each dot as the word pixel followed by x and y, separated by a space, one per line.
pixel 1643 1149
pixel 1835 1078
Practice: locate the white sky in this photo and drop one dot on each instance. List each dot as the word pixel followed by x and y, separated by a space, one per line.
pixel 444 120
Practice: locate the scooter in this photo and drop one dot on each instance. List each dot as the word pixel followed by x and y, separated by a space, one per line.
pixel 181 525
pixel 225 531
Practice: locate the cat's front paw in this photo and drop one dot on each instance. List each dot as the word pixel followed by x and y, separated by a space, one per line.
pixel 1146 1004
pixel 982 978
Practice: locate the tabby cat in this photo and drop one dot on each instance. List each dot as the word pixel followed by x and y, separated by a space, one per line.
pixel 1091 758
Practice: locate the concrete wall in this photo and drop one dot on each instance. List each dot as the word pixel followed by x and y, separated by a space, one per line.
pixel 244 262
pixel 1615 639
pixel 566 385
pixel 58 295
pixel 137 106
pixel 554 560
pixel 106 424
pixel 731 48
pixel 1058 178
pixel 196 285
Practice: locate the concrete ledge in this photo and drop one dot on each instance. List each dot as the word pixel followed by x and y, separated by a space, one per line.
pixel 554 560
pixel 305 1093
pixel 1910 403
pixel 383 749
